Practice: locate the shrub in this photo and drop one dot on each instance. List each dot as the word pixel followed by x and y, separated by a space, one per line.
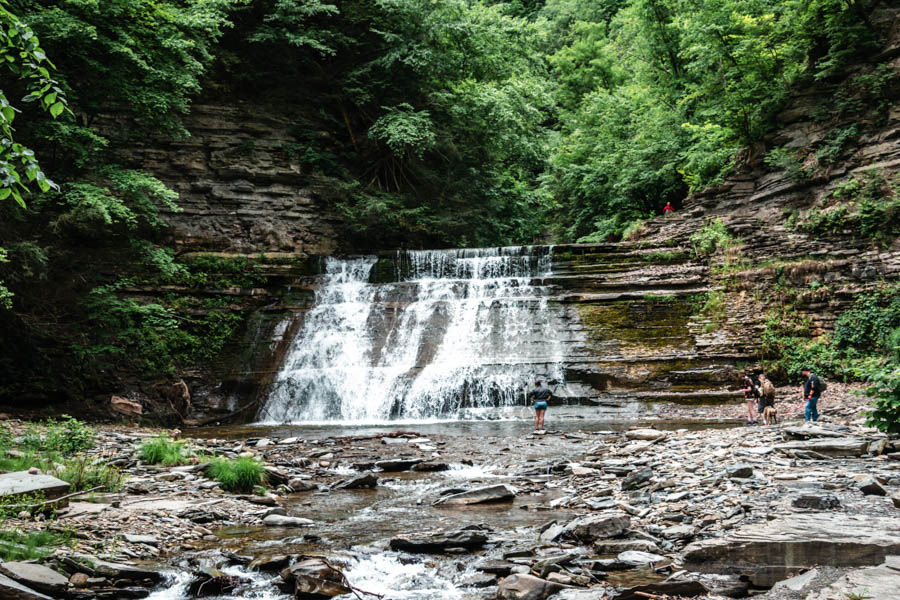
pixel 67 436
pixel 713 236
pixel 237 475
pixel 884 388
pixel 163 450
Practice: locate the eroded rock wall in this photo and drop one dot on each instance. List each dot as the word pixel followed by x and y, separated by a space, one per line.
pixel 241 183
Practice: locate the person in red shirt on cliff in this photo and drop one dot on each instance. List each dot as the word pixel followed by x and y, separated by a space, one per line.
pixel 667 209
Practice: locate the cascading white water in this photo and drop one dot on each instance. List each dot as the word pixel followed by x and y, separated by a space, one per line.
pixel 457 330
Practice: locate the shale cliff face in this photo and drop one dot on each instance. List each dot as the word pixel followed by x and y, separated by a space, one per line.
pixel 241 183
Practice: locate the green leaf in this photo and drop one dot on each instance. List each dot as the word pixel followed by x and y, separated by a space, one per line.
pixel 56 109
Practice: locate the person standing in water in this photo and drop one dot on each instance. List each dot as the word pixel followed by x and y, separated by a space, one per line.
pixel 540 395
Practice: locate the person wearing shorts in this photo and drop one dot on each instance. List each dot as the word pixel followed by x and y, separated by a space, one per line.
pixel 540 395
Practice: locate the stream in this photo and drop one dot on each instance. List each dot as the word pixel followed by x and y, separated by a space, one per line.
pixel 355 526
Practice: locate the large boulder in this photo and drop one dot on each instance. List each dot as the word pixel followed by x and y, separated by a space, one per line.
pixel 485 495
pixel 781 548
pixel 439 541
pixel 527 587
pixel 598 526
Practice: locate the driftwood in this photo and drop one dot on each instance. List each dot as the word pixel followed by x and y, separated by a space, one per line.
pixel 356 591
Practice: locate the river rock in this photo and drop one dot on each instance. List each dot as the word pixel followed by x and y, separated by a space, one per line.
pixel 215 583
pixel 833 447
pixel 368 480
pixel 895 498
pixel 493 493
pixel 618 546
pixel 599 526
pixel 301 485
pixel 397 465
pixel 275 562
pixel 637 479
pixel 132 538
pixel 283 521
pixel 439 541
pixel 871 487
pixel 678 532
pixel 313 578
pixel 431 467
pixel 637 558
pixel 35 576
pixel 778 549
pixel 816 502
pixel 739 471
pixel 645 434
pixel 13 590
pixel 527 587
pixel 664 589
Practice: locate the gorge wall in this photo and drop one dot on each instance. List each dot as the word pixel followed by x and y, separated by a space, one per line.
pixel 648 319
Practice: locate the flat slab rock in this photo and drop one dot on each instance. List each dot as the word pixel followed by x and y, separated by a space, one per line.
pixel 23 482
pixel 781 548
pixel 35 576
pixel 493 493
pixel 12 590
pixel 833 447
pixel 875 582
pixel 439 541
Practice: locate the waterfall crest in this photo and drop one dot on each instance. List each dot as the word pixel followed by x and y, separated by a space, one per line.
pixel 456 331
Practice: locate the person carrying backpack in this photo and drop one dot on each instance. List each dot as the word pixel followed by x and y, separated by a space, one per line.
pixel 812 391
pixel 767 400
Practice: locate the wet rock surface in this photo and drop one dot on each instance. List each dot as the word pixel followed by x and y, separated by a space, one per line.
pixel 587 511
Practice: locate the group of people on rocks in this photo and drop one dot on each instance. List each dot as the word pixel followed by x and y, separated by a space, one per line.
pixel 759 394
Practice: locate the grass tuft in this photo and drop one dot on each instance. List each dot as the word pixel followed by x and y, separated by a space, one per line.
pixel 237 475
pixel 163 450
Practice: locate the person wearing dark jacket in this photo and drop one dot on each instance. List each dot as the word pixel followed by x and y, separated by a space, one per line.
pixel 540 395
pixel 812 389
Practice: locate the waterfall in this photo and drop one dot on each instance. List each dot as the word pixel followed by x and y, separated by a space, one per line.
pixel 456 331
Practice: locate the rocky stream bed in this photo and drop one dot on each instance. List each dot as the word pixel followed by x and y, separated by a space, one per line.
pixel 492 511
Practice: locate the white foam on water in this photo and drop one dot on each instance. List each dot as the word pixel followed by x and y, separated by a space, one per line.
pixel 386 575
pixel 457 334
